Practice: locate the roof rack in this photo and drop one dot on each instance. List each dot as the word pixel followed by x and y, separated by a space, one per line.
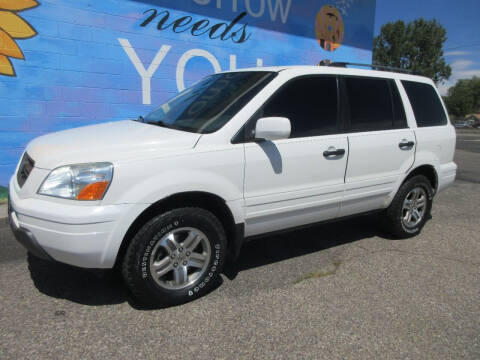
pixel 372 66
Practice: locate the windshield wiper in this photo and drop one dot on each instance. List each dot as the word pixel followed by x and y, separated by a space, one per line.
pixel 159 123
pixel 169 126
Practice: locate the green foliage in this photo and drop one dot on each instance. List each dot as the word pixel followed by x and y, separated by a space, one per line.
pixel 3 193
pixel 416 46
pixel 464 97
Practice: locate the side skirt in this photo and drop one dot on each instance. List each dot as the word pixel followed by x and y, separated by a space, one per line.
pixel 306 226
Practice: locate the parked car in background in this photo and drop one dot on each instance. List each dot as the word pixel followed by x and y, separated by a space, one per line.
pixel 473 120
pixel 171 198
pixel 462 124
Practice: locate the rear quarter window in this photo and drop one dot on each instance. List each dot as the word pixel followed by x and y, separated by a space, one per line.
pixel 426 104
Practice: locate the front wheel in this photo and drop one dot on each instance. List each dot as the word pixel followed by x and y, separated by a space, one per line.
pixel 175 257
pixel 410 208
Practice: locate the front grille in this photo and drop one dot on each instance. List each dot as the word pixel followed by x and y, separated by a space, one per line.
pixel 24 170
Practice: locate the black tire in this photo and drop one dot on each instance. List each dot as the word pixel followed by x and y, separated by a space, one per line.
pixel 136 263
pixel 392 219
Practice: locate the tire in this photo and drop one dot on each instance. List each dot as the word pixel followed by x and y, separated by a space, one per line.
pixel 395 220
pixel 175 257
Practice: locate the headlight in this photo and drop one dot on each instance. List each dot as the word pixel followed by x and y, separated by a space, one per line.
pixel 79 182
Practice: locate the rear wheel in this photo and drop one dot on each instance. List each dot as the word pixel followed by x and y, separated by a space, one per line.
pixel 175 257
pixel 410 208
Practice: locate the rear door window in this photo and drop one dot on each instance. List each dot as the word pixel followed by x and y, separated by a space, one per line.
pixel 370 104
pixel 426 104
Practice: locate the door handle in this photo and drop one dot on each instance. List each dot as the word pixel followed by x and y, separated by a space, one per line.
pixel 333 152
pixel 406 145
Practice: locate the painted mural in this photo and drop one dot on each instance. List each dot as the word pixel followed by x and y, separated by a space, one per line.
pixel 69 63
pixel 13 27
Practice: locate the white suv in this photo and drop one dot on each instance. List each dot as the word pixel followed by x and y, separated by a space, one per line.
pixel 170 198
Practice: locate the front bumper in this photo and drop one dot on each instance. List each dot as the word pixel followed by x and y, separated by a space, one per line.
pixel 24 236
pixel 87 236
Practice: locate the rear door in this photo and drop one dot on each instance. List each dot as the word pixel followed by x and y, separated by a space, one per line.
pixel 382 146
pixel 299 180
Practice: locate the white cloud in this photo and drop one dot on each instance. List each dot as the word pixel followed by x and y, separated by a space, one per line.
pixel 461 69
pixel 461 64
pixel 457 53
pixel 444 86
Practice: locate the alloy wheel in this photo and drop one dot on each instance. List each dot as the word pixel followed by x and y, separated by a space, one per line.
pixel 414 207
pixel 180 258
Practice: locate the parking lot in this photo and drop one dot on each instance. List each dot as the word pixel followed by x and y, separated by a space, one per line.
pixel 342 290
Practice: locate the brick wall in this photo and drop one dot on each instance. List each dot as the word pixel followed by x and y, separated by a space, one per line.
pixel 90 61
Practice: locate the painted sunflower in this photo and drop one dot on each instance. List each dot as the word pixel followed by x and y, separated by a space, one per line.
pixel 12 27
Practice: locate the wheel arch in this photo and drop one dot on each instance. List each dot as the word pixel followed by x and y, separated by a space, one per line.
pixel 426 170
pixel 208 201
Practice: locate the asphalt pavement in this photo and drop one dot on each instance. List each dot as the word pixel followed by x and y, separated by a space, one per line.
pixel 468 140
pixel 338 291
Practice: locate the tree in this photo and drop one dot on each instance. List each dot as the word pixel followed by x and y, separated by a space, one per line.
pixel 464 97
pixel 417 46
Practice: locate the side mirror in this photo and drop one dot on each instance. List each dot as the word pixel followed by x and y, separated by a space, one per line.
pixel 272 128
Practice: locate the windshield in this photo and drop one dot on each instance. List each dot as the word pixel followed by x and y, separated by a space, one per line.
pixel 211 103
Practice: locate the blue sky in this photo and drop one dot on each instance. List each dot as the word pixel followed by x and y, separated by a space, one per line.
pixel 461 19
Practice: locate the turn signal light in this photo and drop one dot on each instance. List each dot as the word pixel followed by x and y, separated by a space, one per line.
pixel 93 191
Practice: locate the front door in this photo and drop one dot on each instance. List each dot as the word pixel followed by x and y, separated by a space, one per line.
pixel 299 180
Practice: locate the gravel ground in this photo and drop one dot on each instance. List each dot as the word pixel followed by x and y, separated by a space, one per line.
pixel 336 291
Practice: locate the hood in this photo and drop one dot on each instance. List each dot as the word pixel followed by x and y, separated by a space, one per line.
pixel 112 141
